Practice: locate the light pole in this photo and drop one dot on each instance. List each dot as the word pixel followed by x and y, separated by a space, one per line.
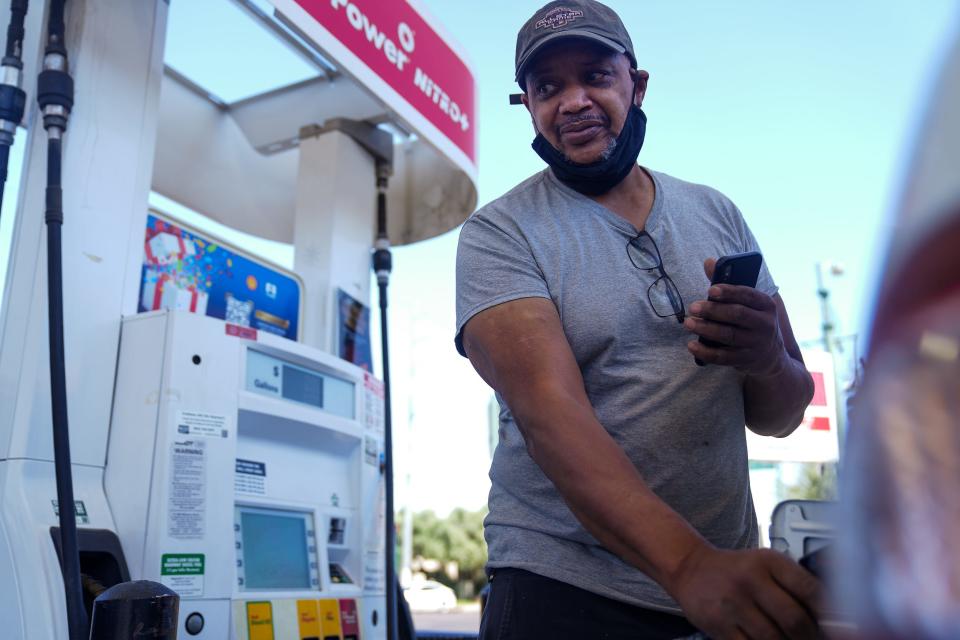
pixel 827 335
pixel 827 327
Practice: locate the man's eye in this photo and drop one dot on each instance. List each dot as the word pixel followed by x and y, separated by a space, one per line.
pixel 544 89
pixel 597 76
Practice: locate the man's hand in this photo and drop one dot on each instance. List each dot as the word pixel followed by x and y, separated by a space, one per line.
pixel 754 594
pixel 744 321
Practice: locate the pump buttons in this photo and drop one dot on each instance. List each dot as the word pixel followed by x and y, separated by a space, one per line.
pixel 194 623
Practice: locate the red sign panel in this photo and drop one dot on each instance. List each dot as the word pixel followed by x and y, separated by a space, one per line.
pixel 819 423
pixel 247 333
pixel 398 45
pixel 819 390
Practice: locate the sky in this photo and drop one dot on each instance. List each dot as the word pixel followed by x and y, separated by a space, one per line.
pixel 803 113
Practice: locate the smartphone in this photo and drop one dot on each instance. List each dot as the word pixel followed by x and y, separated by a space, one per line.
pixel 740 269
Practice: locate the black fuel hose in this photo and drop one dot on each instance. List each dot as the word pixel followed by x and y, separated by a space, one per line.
pixel 18 14
pixel 13 99
pixel 382 266
pixel 55 97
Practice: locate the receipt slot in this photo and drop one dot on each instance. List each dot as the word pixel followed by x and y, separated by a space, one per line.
pixel 244 473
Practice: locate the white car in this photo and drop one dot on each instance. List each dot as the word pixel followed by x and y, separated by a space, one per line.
pixel 430 595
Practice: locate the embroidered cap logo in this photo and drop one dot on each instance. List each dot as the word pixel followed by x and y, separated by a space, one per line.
pixel 559 17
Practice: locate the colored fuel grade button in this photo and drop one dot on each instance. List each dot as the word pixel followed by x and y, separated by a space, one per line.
pixel 308 619
pixel 349 619
pixel 260 620
pixel 330 619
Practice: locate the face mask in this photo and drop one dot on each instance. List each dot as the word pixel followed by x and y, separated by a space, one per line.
pixel 598 177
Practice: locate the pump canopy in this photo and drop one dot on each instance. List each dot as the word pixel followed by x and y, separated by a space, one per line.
pixel 385 63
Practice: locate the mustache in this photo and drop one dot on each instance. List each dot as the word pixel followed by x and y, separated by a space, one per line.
pixel 592 118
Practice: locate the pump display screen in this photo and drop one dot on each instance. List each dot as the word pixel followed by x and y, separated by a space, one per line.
pixel 302 386
pixel 278 378
pixel 276 550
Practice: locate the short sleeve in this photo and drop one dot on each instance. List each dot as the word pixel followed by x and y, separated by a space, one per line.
pixel 494 265
pixel 748 242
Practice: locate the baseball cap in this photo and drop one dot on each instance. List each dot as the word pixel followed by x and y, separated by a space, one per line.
pixel 585 19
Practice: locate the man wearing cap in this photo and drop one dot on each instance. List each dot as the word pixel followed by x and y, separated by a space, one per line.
pixel 620 504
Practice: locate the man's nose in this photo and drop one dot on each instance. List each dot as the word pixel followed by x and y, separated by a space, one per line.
pixel 575 99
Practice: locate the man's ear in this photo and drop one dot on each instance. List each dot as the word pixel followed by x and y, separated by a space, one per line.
pixel 526 103
pixel 640 79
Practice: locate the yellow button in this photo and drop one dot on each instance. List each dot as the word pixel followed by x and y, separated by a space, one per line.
pixel 308 619
pixel 330 619
pixel 260 620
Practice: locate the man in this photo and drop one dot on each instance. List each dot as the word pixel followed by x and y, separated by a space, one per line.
pixel 620 504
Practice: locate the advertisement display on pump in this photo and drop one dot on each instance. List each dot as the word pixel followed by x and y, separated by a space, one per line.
pixel 228 455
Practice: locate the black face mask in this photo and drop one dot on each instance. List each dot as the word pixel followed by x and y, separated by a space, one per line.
pixel 598 177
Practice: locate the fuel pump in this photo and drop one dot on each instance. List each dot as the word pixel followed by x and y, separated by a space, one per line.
pixel 223 447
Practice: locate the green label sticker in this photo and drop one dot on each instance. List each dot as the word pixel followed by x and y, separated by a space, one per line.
pixel 181 564
pixel 183 572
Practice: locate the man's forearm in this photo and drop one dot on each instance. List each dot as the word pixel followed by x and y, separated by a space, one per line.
pixel 774 403
pixel 603 488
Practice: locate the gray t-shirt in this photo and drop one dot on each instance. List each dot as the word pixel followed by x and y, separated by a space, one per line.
pixel 680 424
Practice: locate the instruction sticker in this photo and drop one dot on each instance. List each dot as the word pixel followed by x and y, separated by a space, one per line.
pixel 196 423
pixel 183 572
pixel 188 489
pixel 371 451
pixel 79 510
pixel 374 574
pixel 373 399
pixel 250 477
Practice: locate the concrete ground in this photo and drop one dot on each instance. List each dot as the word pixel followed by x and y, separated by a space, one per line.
pixel 463 618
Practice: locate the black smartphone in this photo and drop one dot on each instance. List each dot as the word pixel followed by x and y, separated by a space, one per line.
pixel 740 269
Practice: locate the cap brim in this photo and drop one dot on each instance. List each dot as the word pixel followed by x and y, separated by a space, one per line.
pixel 567 33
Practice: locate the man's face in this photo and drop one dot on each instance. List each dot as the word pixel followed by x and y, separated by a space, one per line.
pixel 578 94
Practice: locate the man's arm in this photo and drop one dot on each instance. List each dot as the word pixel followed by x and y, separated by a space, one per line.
pixel 775 403
pixel 519 349
pixel 757 339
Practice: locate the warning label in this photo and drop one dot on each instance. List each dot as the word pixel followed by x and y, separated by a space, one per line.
pixel 183 572
pixel 188 480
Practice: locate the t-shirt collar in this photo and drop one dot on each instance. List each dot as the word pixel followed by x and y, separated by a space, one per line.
pixel 653 220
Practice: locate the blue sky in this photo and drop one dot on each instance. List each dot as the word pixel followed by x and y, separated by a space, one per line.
pixel 803 113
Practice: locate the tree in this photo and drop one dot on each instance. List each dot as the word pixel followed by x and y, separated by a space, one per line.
pixel 819 482
pixel 458 539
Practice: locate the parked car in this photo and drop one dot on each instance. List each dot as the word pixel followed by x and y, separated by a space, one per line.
pixel 430 595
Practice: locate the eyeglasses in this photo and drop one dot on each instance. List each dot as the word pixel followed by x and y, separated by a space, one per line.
pixel 663 295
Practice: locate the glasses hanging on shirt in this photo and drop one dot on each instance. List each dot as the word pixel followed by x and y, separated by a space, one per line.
pixel 663 295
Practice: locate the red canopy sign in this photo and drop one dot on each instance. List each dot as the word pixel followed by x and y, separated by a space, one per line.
pixel 394 43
